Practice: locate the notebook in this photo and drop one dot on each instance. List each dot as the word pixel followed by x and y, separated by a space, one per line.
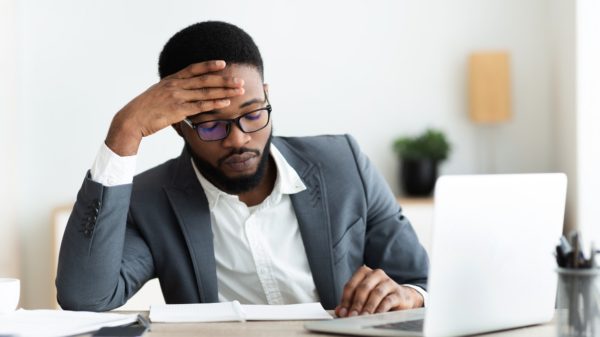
pixel 234 311
pixel 492 264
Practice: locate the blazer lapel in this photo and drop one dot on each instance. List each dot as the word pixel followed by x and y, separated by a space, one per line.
pixel 190 205
pixel 313 218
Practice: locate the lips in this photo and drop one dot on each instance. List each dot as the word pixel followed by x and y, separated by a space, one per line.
pixel 241 162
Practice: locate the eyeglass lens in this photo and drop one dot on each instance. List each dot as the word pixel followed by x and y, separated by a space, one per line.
pixel 219 129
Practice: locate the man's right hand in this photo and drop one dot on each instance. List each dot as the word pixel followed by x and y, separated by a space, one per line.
pixel 190 91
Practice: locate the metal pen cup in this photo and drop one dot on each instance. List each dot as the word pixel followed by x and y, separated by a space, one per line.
pixel 578 302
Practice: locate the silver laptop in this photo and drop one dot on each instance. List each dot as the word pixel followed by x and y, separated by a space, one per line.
pixel 492 264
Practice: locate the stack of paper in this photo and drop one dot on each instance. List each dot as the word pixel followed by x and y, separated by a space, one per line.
pixel 234 311
pixel 56 323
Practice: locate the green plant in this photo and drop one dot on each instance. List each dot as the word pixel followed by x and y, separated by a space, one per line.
pixel 431 144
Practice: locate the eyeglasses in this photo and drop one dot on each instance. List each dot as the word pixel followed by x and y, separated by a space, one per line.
pixel 218 129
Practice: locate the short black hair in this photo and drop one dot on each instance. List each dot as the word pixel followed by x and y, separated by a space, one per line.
pixel 205 41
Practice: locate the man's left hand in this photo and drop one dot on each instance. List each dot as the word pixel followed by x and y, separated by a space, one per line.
pixel 373 291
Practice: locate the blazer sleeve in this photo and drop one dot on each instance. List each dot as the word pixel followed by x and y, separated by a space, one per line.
pixel 96 270
pixel 391 243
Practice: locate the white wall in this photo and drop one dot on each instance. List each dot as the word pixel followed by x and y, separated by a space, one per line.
pixel 588 117
pixel 577 72
pixel 9 235
pixel 562 25
pixel 374 69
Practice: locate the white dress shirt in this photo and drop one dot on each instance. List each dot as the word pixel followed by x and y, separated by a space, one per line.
pixel 259 251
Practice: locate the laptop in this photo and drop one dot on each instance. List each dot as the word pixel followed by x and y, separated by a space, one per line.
pixel 492 263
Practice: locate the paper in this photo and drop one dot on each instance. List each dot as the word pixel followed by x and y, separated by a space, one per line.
pixel 234 311
pixel 57 323
pixel 289 312
pixel 181 313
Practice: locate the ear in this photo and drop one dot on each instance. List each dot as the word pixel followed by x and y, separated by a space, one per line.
pixel 266 87
pixel 177 127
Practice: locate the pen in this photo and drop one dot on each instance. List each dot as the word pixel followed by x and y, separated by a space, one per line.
pixel 578 281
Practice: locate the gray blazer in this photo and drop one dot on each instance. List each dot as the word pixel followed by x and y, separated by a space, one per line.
pixel 117 238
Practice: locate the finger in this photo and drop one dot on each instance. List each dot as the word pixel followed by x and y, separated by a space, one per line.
pixel 193 108
pixel 210 81
pixel 377 294
pixel 400 299
pixel 208 94
pixel 363 290
pixel 337 310
pixel 199 69
pixel 349 288
pixel 388 302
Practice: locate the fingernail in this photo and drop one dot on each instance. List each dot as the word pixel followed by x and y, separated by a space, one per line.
pixel 353 313
pixel 343 312
pixel 220 63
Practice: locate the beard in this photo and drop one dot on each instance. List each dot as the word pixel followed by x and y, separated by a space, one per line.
pixel 235 185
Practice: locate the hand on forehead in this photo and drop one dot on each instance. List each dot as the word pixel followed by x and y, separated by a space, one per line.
pixel 254 89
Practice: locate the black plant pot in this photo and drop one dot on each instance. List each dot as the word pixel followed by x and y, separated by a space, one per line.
pixel 418 176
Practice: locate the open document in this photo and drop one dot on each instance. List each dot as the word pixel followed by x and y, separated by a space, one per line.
pixel 57 323
pixel 234 311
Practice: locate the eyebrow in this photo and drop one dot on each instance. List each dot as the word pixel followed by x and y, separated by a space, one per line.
pixel 250 102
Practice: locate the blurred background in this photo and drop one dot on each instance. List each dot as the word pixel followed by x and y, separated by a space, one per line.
pixel 375 69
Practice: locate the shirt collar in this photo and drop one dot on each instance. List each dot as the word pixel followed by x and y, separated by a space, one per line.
pixel 287 182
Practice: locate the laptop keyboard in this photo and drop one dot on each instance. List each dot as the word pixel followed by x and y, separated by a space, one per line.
pixel 416 325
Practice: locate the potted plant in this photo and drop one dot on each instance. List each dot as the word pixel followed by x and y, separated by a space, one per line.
pixel 420 157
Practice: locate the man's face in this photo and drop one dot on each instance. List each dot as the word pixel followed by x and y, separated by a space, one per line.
pixel 237 163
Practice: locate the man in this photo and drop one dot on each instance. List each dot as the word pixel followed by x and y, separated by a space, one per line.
pixel 240 214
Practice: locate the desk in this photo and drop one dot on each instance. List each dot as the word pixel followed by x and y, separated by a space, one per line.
pixel 293 328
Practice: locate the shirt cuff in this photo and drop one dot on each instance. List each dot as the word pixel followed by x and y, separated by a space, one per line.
pixel 420 291
pixel 110 169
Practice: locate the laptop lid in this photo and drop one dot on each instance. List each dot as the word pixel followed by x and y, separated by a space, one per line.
pixel 492 265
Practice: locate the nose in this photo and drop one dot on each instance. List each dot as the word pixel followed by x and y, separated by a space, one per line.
pixel 236 137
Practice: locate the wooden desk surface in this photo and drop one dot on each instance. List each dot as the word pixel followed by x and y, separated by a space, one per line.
pixel 293 328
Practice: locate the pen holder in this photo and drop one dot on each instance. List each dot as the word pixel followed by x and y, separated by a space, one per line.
pixel 578 302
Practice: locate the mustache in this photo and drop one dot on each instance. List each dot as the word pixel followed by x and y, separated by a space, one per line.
pixel 234 152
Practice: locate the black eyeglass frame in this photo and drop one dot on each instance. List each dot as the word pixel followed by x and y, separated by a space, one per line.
pixel 235 121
